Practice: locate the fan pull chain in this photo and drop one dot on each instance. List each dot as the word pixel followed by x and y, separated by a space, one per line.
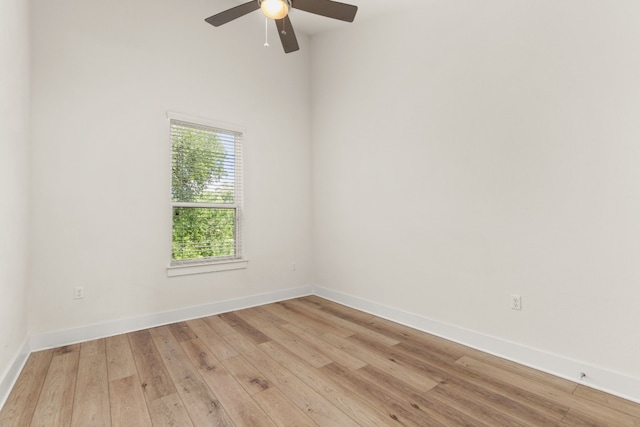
pixel 266 32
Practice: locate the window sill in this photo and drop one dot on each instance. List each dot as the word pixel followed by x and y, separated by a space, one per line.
pixel 210 267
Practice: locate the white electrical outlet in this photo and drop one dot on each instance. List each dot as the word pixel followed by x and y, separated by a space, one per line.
pixel 293 266
pixel 78 292
pixel 516 302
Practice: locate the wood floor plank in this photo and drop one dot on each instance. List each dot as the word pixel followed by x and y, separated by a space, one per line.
pixel 120 363
pixel 21 403
pixel 492 391
pixel 452 415
pixel 526 407
pixel 268 317
pixel 340 396
pixel 182 331
pixel 128 407
pixel 296 315
pixel 338 326
pixel 254 317
pixel 72 348
pixel 55 404
pixel 246 374
pixel 467 402
pixel 557 401
pixel 577 419
pixel 603 413
pixel 91 403
pixel 258 318
pixel 373 323
pixel 297 346
pixel 360 330
pixel 529 405
pixel 219 347
pixel 310 301
pixel 155 379
pixel 421 343
pixel 608 400
pixel 242 409
pixel 433 412
pixel 400 333
pixel 560 384
pixel 308 325
pixel 282 410
pixel 434 346
pixel 375 393
pixel 276 331
pixel 307 362
pixel 555 398
pixel 502 400
pixel 202 404
pixel 218 325
pixel 240 325
pixel 419 381
pixel 169 411
pixel 304 397
pixel 92 348
pixel 332 353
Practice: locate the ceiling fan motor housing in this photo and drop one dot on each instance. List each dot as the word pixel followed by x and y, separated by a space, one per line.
pixel 329 8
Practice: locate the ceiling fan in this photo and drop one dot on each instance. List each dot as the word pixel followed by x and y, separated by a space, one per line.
pixel 278 10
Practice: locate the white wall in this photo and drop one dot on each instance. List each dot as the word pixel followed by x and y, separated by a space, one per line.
pixel 465 151
pixel 104 76
pixel 14 105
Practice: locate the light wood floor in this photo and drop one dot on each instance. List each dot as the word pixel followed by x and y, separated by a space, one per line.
pixel 303 362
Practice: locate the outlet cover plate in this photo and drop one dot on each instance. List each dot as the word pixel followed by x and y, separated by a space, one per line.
pixel 516 302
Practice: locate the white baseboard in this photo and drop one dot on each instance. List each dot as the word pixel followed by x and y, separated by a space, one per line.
pixel 9 378
pixel 60 338
pixel 597 377
pixel 101 330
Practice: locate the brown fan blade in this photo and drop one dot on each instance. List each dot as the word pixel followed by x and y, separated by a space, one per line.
pixel 328 8
pixel 287 35
pixel 233 13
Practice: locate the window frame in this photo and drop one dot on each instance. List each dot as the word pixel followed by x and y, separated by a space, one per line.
pixel 212 264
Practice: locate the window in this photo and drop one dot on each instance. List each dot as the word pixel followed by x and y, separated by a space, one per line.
pixel 206 192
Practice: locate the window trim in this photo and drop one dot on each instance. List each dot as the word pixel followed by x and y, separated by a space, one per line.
pixel 207 265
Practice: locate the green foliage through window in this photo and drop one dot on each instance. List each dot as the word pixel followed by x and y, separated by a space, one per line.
pixel 204 192
pixel 203 233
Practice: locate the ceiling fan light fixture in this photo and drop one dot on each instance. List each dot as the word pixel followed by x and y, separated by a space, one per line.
pixel 275 9
pixel 278 10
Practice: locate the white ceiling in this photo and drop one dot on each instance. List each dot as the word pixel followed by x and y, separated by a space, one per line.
pixel 311 24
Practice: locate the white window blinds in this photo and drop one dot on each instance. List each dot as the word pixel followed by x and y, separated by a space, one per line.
pixel 206 192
